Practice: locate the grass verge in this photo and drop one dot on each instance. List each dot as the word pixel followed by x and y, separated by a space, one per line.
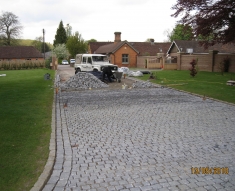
pixel 26 106
pixel 210 84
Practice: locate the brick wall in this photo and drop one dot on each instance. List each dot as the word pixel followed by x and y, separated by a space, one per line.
pixel 206 62
pixel 220 57
pixel 116 58
pixel 203 62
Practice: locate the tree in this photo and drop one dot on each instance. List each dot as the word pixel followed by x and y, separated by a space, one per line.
pixel 76 44
pixel 149 40
pixel 91 40
pixel 214 20
pixel 60 37
pixel 38 44
pixel 61 51
pixel 193 69
pixel 68 29
pixel 10 28
pixel 47 48
pixel 180 32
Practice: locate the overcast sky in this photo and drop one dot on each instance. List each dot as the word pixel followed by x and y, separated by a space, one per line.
pixel 137 20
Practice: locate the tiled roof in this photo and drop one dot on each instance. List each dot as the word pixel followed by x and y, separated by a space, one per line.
pixel 183 45
pixel 111 48
pixel 224 48
pixel 95 45
pixel 146 48
pixel 143 48
pixel 18 52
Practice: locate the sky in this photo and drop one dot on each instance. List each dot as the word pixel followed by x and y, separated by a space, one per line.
pixel 137 20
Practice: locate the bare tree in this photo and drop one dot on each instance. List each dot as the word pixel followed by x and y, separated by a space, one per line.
pixel 10 28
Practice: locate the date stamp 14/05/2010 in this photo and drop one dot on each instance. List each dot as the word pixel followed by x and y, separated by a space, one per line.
pixel 210 170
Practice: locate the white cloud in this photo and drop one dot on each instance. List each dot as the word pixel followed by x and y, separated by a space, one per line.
pixel 136 19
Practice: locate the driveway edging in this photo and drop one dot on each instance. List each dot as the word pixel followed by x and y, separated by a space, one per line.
pixel 198 95
pixel 44 177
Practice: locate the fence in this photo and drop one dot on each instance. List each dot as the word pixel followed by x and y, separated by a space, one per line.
pixel 154 62
pixel 206 62
pixel 149 62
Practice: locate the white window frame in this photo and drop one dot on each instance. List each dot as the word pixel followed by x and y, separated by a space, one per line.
pixel 125 58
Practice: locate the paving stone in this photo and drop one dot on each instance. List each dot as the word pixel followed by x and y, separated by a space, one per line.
pixel 141 139
pixel 145 188
pixel 82 80
pixel 135 189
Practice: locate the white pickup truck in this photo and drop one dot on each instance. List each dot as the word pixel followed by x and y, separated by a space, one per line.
pixel 92 62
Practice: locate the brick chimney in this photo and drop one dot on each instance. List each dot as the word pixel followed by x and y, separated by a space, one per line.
pixel 151 41
pixel 117 37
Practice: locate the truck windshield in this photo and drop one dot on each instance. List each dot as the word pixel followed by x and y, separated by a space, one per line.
pixel 99 58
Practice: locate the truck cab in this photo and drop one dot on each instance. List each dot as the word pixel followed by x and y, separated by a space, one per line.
pixel 92 62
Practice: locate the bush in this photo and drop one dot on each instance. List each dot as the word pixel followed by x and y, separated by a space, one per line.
pixel 193 70
pixel 21 66
pixel 47 63
pixel 224 65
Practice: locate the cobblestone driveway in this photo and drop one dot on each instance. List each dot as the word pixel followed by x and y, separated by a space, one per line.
pixel 143 139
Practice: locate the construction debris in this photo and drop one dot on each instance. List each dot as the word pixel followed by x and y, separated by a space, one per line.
pixel 81 81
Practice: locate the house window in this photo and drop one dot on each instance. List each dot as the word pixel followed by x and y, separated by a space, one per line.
pixel 125 59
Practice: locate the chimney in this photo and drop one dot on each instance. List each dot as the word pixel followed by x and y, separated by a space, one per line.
pixel 117 37
pixel 151 41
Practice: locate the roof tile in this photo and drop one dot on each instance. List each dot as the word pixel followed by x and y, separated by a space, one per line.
pixel 18 52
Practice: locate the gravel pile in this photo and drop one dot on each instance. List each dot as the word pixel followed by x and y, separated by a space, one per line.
pixel 83 80
pixel 143 84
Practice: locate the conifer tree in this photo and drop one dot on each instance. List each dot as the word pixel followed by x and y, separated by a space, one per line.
pixel 60 37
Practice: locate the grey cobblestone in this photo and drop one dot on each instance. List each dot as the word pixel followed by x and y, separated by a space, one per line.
pixel 142 139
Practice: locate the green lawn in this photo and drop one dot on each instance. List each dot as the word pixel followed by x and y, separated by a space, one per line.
pixel 211 84
pixel 25 126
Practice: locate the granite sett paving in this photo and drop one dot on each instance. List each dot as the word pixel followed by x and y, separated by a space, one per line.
pixel 142 139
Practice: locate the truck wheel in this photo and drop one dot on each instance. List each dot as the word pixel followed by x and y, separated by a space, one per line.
pixel 77 70
pixel 95 70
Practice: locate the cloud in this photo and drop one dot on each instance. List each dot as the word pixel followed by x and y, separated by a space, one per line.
pixel 136 19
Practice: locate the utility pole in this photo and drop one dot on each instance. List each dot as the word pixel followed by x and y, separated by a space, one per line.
pixel 43 31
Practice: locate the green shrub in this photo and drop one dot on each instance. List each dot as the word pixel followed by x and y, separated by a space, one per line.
pixel 48 62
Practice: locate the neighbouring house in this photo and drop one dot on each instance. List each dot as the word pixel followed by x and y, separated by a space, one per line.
pixel 193 47
pixel 183 52
pixel 19 54
pixel 128 54
pixel 170 56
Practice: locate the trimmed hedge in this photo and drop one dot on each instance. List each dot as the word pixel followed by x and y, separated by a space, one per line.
pixel 22 66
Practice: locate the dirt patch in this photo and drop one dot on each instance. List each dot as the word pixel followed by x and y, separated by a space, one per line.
pixel 116 85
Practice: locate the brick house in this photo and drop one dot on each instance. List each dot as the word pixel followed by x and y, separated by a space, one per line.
pixel 193 47
pixel 208 59
pixel 19 54
pixel 127 54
